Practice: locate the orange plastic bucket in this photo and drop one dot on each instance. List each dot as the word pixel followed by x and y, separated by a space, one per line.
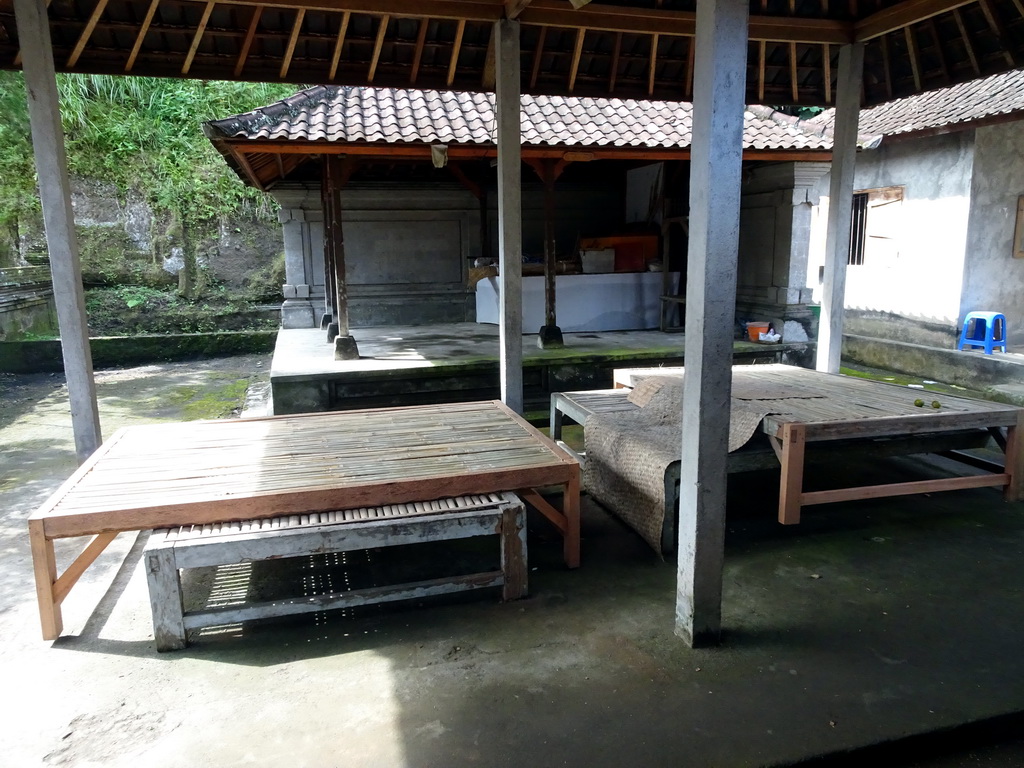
pixel 755 329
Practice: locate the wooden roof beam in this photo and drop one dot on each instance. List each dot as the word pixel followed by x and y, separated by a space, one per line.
pixel 515 7
pixel 250 35
pixel 382 30
pixel 652 64
pixel 559 13
pixel 577 52
pixel 460 30
pixel 449 10
pixel 537 54
pixel 417 56
pixel 142 36
pixel 997 29
pixel 915 67
pixel 83 39
pixel 968 45
pixel 613 68
pixel 339 43
pixel 243 147
pixel 896 17
pixel 292 42
pixel 197 38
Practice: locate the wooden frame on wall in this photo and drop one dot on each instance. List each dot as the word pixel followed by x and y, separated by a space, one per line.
pixel 1018 230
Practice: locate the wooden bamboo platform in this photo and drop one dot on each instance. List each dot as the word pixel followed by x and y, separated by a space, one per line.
pixel 204 473
pixel 822 408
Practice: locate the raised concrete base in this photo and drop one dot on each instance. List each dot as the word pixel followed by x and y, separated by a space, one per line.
pixel 974 370
pixel 332 332
pixel 345 348
pixel 550 337
pixel 409 365
pixel 297 313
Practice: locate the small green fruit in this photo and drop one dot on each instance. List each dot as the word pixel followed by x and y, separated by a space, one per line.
pixel 936 404
pixel 919 403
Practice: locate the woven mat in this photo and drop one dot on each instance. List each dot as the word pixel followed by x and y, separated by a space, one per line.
pixel 628 453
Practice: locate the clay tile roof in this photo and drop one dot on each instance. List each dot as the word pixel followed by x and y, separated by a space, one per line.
pixel 392 115
pixel 989 97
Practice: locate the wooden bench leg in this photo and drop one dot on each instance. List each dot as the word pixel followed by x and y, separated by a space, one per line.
pixel 165 599
pixel 513 551
pixel 44 563
pixel 571 510
pixel 791 482
pixel 1014 465
pixel 555 420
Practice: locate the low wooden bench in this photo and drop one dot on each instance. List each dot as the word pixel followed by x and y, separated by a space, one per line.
pixel 172 550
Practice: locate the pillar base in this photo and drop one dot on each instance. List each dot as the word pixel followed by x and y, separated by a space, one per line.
pixel 550 337
pixel 345 348
pixel 325 321
pixel 332 332
pixel 297 313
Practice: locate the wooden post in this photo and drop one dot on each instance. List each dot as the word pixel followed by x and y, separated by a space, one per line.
pixel 327 321
pixel 715 171
pixel 59 219
pixel 791 478
pixel 840 205
pixel 334 178
pixel 550 336
pixel 510 213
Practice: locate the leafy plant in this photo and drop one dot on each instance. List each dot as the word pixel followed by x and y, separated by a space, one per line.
pixel 143 134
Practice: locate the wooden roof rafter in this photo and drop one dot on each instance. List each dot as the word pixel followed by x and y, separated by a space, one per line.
pixel 631 48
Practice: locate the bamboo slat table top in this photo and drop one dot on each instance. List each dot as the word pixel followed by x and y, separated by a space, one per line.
pixel 161 475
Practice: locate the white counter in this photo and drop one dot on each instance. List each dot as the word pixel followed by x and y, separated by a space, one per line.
pixel 616 301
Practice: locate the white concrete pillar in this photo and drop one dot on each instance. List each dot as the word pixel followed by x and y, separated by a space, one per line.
pixel 510 213
pixel 840 204
pixel 715 175
pixel 59 219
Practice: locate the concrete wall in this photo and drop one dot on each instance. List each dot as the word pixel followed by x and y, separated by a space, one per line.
pixel 992 277
pixel 407 253
pixel 777 205
pixel 408 248
pixel 913 287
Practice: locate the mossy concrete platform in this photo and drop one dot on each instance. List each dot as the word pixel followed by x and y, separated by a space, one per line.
pixel 411 365
pixel 869 622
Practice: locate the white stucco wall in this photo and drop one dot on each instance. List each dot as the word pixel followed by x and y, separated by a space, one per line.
pixel 924 281
pixel 994 280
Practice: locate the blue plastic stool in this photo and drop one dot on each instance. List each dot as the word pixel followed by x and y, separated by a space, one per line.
pixel 984 329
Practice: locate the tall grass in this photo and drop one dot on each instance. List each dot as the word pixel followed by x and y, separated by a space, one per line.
pixel 139 133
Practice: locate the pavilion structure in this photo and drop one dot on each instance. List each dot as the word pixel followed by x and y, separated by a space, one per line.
pixel 719 54
pixel 297 144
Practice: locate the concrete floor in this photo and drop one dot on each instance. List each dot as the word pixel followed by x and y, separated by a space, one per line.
pixel 305 351
pixel 869 622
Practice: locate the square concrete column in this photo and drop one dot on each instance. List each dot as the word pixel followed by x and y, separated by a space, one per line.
pixel 840 206
pixel 59 219
pixel 510 213
pixel 715 176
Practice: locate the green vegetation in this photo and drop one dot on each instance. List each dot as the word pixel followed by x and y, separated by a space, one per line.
pixel 144 137
pixel 133 310
pixel 139 133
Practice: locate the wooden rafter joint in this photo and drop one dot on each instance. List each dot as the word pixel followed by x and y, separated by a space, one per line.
pixel 515 7
pixel 902 15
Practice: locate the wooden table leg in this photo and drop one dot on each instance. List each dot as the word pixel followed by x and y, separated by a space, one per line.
pixel 791 482
pixel 571 510
pixel 1014 466
pixel 44 563
pixel 514 563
